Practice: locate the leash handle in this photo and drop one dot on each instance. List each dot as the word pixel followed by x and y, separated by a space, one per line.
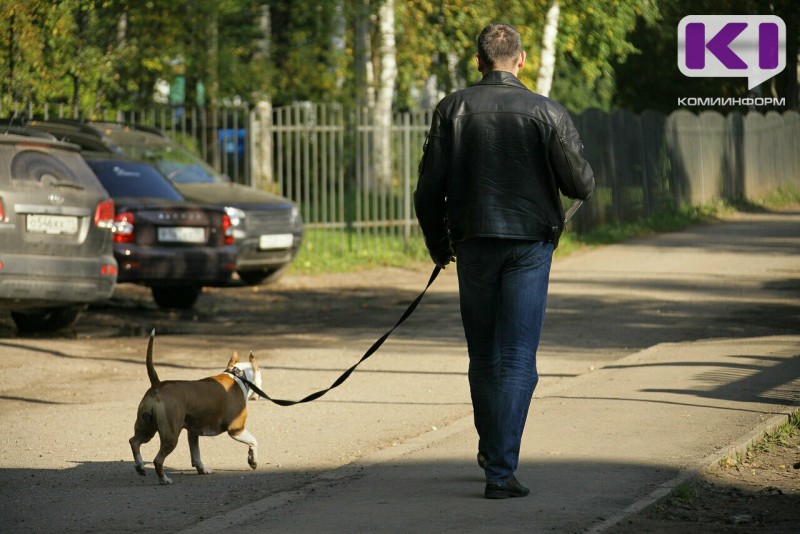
pixel 372 350
pixel 572 209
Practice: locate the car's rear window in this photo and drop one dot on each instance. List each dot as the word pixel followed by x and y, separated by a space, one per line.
pixel 174 161
pixel 47 167
pixel 133 179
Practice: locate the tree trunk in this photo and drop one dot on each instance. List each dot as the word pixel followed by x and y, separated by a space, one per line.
pixel 261 116
pixel 547 67
pixel 365 80
pixel 261 146
pixel 212 70
pixel 385 96
pixel 122 30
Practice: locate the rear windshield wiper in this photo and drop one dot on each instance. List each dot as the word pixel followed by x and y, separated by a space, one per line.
pixel 63 183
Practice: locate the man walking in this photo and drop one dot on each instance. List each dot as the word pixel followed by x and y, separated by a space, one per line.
pixel 496 158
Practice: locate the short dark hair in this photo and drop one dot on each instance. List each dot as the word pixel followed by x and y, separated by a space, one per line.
pixel 499 44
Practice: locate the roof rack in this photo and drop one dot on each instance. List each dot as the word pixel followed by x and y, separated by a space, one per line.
pixel 80 125
pixel 26 132
pixel 94 127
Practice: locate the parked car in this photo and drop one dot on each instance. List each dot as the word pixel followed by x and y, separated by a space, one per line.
pixel 55 232
pixel 268 229
pixel 172 246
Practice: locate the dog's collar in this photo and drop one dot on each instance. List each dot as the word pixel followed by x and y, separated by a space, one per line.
pixel 241 378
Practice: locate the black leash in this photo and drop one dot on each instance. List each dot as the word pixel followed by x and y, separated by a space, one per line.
pixel 238 373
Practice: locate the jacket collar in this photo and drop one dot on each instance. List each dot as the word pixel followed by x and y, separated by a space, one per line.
pixel 499 77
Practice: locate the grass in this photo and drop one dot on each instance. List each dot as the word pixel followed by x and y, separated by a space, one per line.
pixel 783 196
pixel 329 252
pixel 686 491
pixel 768 442
pixel 779 435
pixel 663 221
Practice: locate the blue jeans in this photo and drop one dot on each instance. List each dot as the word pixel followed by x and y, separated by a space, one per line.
pixel 503 293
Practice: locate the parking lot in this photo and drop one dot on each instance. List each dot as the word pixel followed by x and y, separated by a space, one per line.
pixel 68 400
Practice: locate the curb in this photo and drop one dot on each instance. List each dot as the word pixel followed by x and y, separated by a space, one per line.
pixel 691 473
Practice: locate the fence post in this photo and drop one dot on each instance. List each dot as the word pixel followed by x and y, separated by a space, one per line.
pixel 407 178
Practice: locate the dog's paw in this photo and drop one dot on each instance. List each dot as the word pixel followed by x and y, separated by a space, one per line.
pixel 202 470
pixel 165 481
pixel 140 469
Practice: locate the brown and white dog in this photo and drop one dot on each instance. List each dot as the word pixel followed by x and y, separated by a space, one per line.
pixel 206 407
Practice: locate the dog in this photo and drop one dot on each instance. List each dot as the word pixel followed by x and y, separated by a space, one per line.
pixel 206 407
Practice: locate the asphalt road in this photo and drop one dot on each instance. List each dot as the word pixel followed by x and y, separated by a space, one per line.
pixel 68 402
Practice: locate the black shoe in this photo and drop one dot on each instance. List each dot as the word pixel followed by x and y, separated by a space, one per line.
pixel 509 488
pixel 481 460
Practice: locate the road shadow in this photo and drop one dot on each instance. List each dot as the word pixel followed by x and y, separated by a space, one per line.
pixel 417 496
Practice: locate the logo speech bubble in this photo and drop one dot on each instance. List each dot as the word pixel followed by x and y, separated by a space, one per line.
pixel 732 46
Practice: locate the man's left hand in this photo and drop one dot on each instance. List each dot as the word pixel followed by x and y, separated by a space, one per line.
pixel 441 259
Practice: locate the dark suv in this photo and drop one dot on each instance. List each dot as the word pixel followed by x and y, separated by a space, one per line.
pixel 55 232
pixel 161 241
pixel 267 228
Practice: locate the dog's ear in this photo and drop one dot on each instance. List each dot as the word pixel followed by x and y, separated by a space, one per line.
pixel 253 362
pixel 233 361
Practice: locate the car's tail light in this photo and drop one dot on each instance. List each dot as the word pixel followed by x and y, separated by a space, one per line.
pixel 104 214
pixel 2 211
pixel 227 229
pixel 1 265
pixel 108 270
pixel 123 228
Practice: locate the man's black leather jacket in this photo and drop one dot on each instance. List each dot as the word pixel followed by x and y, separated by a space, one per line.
pixel 496 157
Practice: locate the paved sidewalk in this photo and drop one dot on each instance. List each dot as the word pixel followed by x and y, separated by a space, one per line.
pixel 606 440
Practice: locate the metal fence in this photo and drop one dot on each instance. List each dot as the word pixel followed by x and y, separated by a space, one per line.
pixel 326 159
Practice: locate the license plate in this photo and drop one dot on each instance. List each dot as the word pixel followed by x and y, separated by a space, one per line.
pixel 51 224
pixel 273 241
pixel 181 234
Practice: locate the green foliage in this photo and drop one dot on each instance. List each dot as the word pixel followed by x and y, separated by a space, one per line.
pixel 96 53
pixel 308 51
pixel 30 34
pixel 439 39
pixel 651 79
pixel 594 37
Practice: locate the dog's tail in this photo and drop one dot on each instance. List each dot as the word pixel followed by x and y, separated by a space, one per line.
pixel 151 371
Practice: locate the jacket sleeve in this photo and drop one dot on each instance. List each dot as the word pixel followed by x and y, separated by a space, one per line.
pixel 573 174
pixel 430 197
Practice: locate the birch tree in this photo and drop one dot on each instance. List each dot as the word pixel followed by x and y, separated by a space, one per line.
pixel 385 94
pixel 547 64
pixel 362 56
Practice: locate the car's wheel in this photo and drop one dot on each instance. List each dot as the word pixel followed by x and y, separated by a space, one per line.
pixel 264 276
pixel 176 297
pixel 47 320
